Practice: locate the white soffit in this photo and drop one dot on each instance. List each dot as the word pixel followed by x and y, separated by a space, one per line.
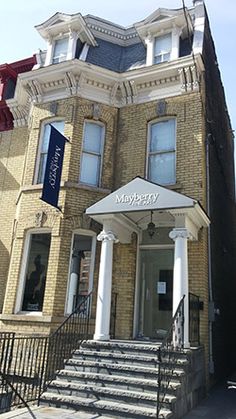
pixel 142 195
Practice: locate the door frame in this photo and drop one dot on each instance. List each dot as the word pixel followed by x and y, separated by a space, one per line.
pixel 137 278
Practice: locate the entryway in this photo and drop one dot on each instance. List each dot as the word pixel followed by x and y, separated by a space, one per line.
pixel 155 292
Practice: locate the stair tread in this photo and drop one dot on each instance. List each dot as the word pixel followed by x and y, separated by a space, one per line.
pixel 120 366
pixel 104 404
pixel 112 378
pixel 106 390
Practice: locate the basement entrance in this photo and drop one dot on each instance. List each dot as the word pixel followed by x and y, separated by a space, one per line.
pixel 156 290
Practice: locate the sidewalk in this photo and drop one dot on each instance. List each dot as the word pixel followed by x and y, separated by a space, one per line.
pixel 220 404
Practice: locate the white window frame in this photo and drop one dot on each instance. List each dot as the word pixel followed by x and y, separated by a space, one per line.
pixel 64 38
pixel 41 138
pixel 24 265
pixel 160 152
pixel 163 52
pixel 92 234
pixel 99 175
pixel 175 40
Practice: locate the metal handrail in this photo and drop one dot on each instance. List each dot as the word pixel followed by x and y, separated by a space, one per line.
pixel 166 350
pixel 29 363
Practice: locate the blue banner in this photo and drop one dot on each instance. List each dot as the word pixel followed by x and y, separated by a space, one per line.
pixel 52 178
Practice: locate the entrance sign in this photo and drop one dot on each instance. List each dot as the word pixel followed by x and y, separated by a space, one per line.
pixel 141 195
pixel 136 199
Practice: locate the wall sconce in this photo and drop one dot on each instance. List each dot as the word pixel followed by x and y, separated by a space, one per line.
pixel 151 227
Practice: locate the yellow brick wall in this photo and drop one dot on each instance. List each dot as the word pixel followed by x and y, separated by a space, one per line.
pixel 124 158
pixel 13 146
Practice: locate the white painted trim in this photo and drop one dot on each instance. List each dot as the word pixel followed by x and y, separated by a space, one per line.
pixel 24 263
pixel 84 52
pixel 92 234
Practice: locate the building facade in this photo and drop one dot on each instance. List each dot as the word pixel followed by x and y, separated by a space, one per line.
pixel 147 176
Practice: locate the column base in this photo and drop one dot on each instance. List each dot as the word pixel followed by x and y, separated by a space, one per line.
pixel 101 337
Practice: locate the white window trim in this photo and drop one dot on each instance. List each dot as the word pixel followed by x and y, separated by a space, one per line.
pixel 41 129
pixel 92 121
pixel 148 146
pixel 175 41
pixel 72 40
pixel 24 262
pixel 92 234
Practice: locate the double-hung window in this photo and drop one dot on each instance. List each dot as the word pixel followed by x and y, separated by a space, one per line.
pixel 46 130
pixel 60 50
pixel 91 159
pixel 161 152
pixel 162 48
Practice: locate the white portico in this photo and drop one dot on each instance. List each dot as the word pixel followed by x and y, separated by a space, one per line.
pixel 128 210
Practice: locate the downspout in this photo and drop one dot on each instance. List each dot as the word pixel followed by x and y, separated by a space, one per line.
pixel 211 304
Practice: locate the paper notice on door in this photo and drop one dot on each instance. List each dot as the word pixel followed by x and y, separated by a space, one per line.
pixel 161 287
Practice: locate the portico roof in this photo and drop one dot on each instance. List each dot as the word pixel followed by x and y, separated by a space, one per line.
pixel 133 203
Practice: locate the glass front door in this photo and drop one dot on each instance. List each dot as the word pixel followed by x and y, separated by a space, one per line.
pixel 156 287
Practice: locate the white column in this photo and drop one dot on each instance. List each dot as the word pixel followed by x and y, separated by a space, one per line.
pixel 175 44
pixel 180 280
pixel 71 46
pixel 102 326
pixel 48 59
pixel 149 41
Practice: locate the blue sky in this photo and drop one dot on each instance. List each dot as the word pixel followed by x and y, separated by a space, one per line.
pixel 19 39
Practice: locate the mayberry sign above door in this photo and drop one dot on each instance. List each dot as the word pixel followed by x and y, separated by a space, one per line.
pixel 140 195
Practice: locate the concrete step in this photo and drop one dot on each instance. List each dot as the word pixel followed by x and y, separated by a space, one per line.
pixel 116 409
pixel 129 358
pixel 95 391
pixel 120 369
pixel 119 382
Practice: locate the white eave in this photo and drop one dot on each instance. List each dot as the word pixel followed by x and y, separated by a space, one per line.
pixel 62 23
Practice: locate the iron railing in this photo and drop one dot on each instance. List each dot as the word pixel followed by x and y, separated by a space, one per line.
pixel 168 353
pixel 194 320
pixel 28 364
pixel 113 315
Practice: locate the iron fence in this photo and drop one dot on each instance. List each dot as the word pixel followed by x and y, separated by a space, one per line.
pixel 28 364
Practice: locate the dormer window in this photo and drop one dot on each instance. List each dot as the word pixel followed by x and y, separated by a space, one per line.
pixel 162 48
pixel 60 50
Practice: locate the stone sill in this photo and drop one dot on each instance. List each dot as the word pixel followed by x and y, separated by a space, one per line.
pixel 35 318
pixel 64 184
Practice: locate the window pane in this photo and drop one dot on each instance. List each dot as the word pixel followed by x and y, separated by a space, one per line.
pixel 60 50
pixel 35 277
pixel 162 44
pixel 90 166
pixel 59 125
pixel 162 168
pixel 92 137
pixel 163 136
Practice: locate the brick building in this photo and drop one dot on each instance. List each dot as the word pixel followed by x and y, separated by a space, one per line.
pixel 150 141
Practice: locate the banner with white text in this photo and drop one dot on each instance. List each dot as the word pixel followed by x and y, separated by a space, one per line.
pixel 52 178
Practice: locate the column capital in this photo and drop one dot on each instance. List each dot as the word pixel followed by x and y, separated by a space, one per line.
pixel 107 236
pixel 180 233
